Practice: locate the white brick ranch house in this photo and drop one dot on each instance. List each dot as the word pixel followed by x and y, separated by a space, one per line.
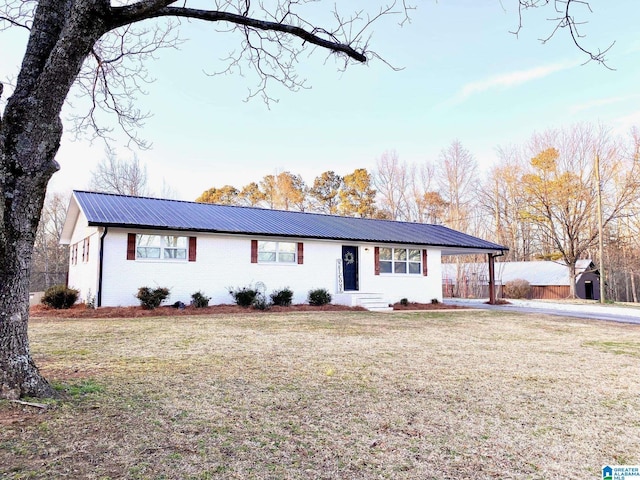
pixel 120 243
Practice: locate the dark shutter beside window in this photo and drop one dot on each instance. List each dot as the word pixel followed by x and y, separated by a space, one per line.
pixel 131 246
pixel 254 251
pixel 192 248
pixel 300 253
pixel 376 260
pixel 424 262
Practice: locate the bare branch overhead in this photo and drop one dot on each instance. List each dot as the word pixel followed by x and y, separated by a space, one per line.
pixel 565 18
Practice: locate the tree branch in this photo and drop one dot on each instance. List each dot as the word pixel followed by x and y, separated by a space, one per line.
pixel 124 15
pixel 565 19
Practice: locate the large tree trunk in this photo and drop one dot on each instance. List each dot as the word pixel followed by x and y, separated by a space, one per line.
pixel 28 145
pixel 62 35
pixel 18 374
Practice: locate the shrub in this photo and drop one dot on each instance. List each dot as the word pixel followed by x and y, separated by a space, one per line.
pixel 152 298
pixel 518 288
pixel 319 297
pixel 404 302
pixel 435 301
pixel 60 296
pixel 90 301
pixel 245 296
pixel 260 302
pixel 200 300
pixel 282 297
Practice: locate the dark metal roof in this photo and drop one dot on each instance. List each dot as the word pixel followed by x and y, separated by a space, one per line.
pixel 103 209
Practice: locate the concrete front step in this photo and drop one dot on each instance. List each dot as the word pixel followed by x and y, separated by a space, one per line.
pixel 373 302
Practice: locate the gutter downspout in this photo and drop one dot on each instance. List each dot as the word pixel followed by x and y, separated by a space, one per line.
pixel 99 299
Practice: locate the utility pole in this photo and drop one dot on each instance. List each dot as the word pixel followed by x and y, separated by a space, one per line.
pixel 600 230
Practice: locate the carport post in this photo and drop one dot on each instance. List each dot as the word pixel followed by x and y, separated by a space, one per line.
pixel 492 280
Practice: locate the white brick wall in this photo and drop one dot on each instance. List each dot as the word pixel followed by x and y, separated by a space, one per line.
pixel 415 288
pixel 83 276
pixel 224 261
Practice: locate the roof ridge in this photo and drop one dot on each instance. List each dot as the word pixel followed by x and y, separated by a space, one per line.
pixel 193 202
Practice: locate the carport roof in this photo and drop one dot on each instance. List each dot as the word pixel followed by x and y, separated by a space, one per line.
pixel 111 210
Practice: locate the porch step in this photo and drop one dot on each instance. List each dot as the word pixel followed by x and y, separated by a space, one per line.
pixel 373 302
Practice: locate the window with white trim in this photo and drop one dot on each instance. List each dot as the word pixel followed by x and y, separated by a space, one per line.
pixel 400 261
pixel 161 247
pixel 85 250
pixel 277 252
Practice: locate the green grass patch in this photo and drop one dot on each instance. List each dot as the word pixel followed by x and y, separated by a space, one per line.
pixel 617 348
pixel 78 389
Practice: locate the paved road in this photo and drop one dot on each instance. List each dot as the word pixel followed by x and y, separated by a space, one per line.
pixel 594 312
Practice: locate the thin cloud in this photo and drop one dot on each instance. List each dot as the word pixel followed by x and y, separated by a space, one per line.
pixel 602 102
pixel 622 125
pixel 507 80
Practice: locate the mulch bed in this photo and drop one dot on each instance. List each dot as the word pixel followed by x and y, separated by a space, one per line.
pixel 81 311
pixel 427 306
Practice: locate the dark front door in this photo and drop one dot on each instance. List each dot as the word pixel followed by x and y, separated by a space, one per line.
pixel 350 267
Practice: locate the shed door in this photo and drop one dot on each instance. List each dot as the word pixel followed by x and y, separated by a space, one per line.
pixel 350 267
pixel 588 290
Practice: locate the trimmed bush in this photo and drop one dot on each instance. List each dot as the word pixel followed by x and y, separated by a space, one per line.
pixel 152 298
pixel 282 297
pixel 200 300
pixel 518 288
pixel 60 297
pixel 319 297
pixel 435 301
pixel 245 296
pixel 404 302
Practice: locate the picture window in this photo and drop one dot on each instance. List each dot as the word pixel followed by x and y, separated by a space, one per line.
pixel 400 261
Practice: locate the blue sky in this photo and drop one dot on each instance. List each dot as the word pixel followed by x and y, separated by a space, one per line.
pixel 464 77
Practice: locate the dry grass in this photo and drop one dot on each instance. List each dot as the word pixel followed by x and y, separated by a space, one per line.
pixel 329 395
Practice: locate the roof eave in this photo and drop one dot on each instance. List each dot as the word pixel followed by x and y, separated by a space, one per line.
pixel 446 249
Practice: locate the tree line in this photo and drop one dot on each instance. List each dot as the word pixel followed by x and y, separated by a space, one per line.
pixel 540 199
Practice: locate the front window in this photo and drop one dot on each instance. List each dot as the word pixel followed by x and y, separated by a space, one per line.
pixel 168 247
pixel 277 252
pixel 175 247
pixel 400 261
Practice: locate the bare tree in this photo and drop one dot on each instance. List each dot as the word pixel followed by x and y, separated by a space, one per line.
pixel 503 201
pixel 50 259
pixel 393 183
pixel 458 181
pixel 423 205
pixel 124 177
pixel 102 48
pixel 562 188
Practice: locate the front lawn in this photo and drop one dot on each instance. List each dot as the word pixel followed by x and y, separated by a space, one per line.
pixel 329 395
